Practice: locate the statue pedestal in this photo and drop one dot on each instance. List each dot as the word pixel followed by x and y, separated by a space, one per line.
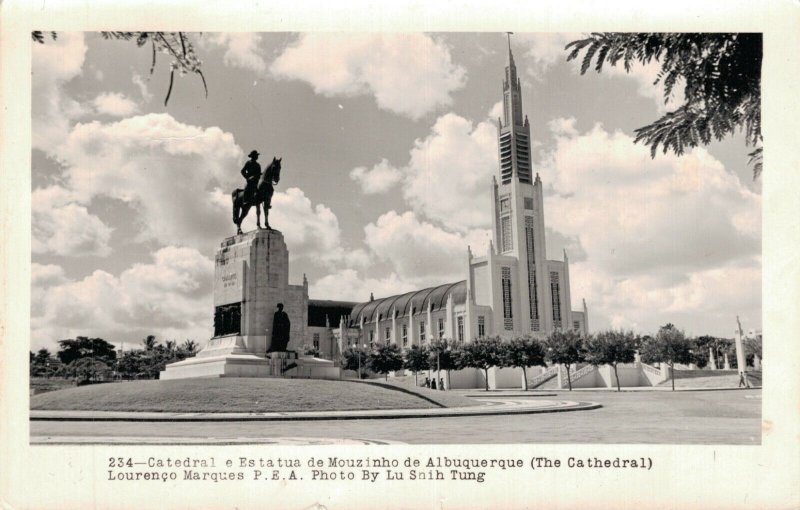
pixel 251 277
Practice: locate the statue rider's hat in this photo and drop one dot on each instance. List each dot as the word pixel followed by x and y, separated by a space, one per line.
pixel 252 153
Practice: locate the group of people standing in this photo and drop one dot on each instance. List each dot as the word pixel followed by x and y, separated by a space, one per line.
pixel 431 383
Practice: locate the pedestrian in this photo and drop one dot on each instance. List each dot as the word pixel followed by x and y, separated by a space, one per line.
pixel 427 382
pixel 441 383
pixel 433 384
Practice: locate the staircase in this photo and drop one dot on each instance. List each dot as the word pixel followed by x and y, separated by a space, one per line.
pixel 543 377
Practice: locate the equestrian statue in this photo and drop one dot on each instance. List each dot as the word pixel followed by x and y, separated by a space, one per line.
pixel 257 192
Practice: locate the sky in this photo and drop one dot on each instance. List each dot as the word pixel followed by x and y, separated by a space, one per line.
pixel 388 147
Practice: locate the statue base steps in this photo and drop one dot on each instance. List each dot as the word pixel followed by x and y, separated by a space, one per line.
pixel 279 364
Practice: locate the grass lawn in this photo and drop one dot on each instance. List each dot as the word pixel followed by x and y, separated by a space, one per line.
pixel 238 395
pixel 43 385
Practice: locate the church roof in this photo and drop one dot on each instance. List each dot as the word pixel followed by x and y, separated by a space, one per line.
pixel 414 302
pixel 318 309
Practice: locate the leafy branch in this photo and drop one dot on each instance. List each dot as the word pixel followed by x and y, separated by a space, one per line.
pixel 176 45
pixel 721 77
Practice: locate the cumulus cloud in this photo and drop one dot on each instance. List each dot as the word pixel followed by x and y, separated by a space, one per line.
pixel 541 51
pixel 350 285
pixel 169 296
pixel 419 250
pixel 115 104
pixel 378 179
pixel 141 84
pixel 163 168
pixel 665 235
pixel 62 227
pixel 53 64
pixel 410 74
pixel 449 172
pixel 241 49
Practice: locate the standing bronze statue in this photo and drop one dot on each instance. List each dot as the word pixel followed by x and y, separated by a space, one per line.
pixel 257 192
pixel 280 330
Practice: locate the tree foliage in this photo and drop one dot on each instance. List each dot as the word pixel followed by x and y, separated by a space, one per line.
pixel 721 78
pixel 523 353
pixel 355 359
pixel 86 370
pixel 483 354
pixel 176 45
pixel 385 358
pixel 84 347
pixel 565 348
pixel 611 348
pixel 415 359
pixel 669 346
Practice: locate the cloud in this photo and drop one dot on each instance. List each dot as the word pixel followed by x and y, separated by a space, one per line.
pixel 544 50
pixel 419 251
pixel 311 232
pixel 410 74
pixel 53 64
pixel 166 170
pixel 62 227
pixel 140 83
pixel 661 237
pixel 169 297
pixel 350 285
pixel 449 173
pixel 241 49
pixel 115 104
pixel 379 179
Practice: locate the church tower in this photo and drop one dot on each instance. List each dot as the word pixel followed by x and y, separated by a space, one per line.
pixel 519 221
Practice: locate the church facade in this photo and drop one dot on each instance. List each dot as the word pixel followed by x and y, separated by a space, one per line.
pixel 512 291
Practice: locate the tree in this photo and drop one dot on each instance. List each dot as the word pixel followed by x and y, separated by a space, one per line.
pixel 443 356
pixel 611 348
pixel 354 358
pixel 670 346
pixel 385 358
pixel 483 354
pixel 177 45
pixel 84 370
pixel 753 346
pixel 149 342
pixel 83 347
pixel 189 347
pixel 416 359
pixel 564 348
pixel 721 77
pixel 523 353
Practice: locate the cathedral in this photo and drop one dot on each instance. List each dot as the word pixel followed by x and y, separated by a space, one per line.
pixel 512 291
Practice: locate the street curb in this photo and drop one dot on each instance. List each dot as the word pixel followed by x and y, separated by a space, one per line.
pixel 242 417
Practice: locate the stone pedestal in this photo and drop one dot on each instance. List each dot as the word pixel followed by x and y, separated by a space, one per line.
pixel 251 277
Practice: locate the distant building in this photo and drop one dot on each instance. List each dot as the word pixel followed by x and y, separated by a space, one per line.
pixel 512 291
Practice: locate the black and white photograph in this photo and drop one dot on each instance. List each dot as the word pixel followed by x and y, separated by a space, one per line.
pixel 384 259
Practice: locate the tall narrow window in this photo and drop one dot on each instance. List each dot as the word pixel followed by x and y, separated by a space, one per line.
pixel 387 334
pixel 533 299
pixel 505 228
pixel 508 321
pixel 481 326
pixel 405 335
pixel 441 328
pixel 576 325
pixel 556 294
pixel 316 341
pixel 460 327
pixel 371 336
pixel 421 332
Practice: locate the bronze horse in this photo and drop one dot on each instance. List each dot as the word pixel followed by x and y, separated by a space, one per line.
pixel 263 197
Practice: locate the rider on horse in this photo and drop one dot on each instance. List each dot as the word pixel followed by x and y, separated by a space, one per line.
pixel 251 172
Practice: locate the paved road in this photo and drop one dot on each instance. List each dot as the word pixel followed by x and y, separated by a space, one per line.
pixel 703 417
